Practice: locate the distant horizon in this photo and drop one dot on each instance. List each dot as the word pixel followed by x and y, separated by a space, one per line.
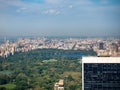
pixel 60 36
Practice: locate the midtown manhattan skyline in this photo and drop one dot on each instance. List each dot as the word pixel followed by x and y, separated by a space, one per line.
pixel 60 17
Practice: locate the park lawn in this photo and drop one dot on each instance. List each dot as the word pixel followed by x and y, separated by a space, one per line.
pixel 6 72
pixel 50 60
pixel 8 86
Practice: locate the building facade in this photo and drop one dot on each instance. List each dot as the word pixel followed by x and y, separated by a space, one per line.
pixel 101 73
pixel 101 46
pixel 59 85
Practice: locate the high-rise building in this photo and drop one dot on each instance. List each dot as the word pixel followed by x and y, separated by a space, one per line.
pixel 119 43
pixel 116 48
pixel 101 73
pixel 101 46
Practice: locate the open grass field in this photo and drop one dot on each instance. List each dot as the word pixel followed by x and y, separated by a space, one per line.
pixel 50 60
pixel 8 86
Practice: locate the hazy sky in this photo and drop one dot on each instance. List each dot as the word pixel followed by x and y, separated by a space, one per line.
pixel 60 17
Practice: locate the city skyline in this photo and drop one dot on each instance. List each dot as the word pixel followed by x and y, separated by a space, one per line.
pixel 59 17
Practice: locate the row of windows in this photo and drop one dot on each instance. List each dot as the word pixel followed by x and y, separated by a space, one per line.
pixel 101 76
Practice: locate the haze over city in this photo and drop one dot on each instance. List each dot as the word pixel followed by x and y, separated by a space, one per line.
pixel 60 17
pixel 59 44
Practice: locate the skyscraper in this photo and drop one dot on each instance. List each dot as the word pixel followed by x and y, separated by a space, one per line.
pixel 101 73
pixel 101 46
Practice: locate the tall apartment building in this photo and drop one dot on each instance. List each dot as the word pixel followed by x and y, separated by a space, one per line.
pixel 101 73
pixel 101 46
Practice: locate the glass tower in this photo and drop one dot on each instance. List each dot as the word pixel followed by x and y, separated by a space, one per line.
pixel 101 73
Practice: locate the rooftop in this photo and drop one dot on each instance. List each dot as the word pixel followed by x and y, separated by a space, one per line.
pixel 100 59
pixel 61 82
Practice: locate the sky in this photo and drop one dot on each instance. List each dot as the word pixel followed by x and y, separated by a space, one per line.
pixel 59 17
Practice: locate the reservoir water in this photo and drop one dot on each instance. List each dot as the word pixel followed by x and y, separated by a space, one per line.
pixel 70 55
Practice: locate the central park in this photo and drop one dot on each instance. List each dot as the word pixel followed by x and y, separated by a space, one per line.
pixel 40 69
